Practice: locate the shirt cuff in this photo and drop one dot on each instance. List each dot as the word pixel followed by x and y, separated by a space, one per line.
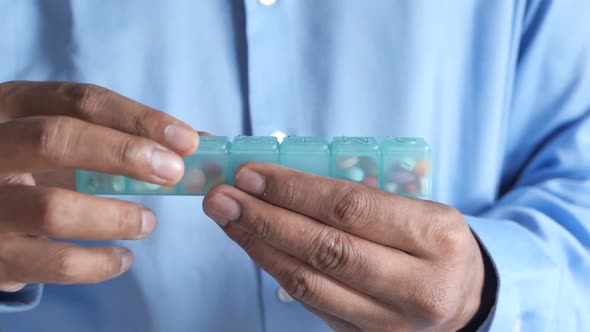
pixel 524 273
pixel 489 293
pixel 25 299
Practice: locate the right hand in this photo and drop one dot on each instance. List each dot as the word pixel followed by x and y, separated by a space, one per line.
pixel 66 126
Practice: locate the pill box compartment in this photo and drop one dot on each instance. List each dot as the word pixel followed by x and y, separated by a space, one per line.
pixel 306 154
pixel 205 168
pixel 243 149
pixel 356 159
pixel 99 184
pixel 406 166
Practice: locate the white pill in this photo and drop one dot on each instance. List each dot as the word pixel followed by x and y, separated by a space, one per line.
pixel 408 164
pixel 194 181
pixel 151 186
pixel 390 187
pixel 347 162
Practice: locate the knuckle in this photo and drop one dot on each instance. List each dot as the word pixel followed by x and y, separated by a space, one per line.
pixel 86 98
pixel 334 253
pixel 350 208
pixel 288 191
pixel 106 266
pixel 127 152
pixel 448 231
pixel 301 285
pixel 48 138
pixel 436 306
pixel 127 223
pixel 66 267
pixel 246 241
pixel 140 123
pixel 262 226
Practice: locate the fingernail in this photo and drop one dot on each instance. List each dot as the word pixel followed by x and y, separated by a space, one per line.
pixel 126 260
pixel 148 223
pixel 167 165
pixel 181 138
pixel 250 181
pixel 222 209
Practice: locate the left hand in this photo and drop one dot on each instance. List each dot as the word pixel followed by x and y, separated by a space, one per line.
pixel 357 257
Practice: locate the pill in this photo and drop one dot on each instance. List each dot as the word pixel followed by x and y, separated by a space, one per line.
pixel 371 181
pixel 347 162
pixel 355 174
pixel 194 181
pixel 369 165
pixel 390 187
pixel 211 170
pixel 401 177
pixel 408 164
pixel 421 168
pixel 410 188
pixel 150 186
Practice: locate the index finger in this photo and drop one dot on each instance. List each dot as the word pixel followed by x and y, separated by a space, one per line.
pixel 395 221
pixel 97 105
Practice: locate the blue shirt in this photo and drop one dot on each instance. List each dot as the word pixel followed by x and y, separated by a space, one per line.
pixel 500 89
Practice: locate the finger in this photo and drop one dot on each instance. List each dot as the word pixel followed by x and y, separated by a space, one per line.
pixel 99 106
pixel 17 178
pixel 368 267
pixel 11 286
pixel 337 324
pixel 60 178
pixel 408 224
pixel 313 288
pixel 34 260
pixel 65 214
pixel 48 142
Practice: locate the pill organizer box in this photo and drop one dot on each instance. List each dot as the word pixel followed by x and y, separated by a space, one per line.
pixel 399 165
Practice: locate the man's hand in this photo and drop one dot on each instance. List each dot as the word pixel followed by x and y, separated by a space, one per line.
pixel 359 258
pixel 65 126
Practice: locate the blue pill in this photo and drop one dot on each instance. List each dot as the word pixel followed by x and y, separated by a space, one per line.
pixel 355 174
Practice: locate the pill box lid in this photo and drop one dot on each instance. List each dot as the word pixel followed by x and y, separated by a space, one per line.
pixel 304 144
pixel 213 143
pixel 356 144
pixel 254 144
pixel 405 144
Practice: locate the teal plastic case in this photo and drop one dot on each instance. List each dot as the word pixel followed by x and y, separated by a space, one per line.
pixel 399 165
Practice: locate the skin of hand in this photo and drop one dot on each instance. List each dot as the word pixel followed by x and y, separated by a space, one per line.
pixel 51 128
pixel 359 258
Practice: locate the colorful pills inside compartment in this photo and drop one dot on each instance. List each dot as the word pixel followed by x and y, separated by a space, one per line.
pixel 407 176
pixel 360 169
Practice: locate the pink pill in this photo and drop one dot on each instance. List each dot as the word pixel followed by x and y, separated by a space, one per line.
pixel 410 188
pixel 371 181
pixel 211 170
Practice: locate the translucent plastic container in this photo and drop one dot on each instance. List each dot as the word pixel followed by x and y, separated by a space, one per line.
pixel 399 165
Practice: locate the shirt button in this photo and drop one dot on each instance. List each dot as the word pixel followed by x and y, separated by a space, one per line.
pixel 284 296
pixel 267 2
pixel 279 135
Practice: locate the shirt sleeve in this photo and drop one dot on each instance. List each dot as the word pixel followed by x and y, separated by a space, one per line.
pixel 538 231
pixel 25 299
